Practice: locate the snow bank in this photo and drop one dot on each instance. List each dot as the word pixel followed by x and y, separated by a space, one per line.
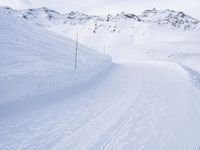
pixel 35 61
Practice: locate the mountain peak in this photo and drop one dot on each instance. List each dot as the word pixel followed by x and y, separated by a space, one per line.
pixel 48 17
pixel 124 15
pixel 5 7
pixel 44 10
pixel 176 19
pixel 77 15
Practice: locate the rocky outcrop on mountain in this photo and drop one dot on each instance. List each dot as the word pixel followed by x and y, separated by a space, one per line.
pixel 170 17
pixel 47 18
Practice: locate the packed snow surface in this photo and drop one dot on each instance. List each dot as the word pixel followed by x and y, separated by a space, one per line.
pixel 148 98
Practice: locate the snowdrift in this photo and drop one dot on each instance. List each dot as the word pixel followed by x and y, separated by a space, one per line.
pixel 35 61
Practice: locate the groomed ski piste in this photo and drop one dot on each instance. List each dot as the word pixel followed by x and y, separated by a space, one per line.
pixel 147 100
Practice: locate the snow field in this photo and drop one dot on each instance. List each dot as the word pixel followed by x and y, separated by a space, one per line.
pixel 147 99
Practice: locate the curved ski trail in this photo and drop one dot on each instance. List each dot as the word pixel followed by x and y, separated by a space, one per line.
pixel 132 106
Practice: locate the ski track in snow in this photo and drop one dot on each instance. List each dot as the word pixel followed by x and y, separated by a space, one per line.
pixel 131 106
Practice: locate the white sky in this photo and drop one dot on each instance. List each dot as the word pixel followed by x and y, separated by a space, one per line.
pixel 98 7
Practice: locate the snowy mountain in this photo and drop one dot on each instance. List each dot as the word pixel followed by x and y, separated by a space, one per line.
pixel 105 32
pixel 48 18
pixel 109 34
pixel 171 17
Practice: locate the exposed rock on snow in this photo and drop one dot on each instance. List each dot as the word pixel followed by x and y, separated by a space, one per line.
pixel 171 17
pixel 48 18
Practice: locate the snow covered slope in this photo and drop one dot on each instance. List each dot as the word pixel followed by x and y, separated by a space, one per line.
pixel 147 99
pixel 110 34
pixel 35 61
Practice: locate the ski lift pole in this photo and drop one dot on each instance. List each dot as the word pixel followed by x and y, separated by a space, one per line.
pixel 76 52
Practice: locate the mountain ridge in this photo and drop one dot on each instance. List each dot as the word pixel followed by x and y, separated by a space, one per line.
pixel 47 17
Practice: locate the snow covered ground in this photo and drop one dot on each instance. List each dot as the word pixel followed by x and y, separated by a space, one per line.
pixel 34 61
pixel 148 98
pixel 128 106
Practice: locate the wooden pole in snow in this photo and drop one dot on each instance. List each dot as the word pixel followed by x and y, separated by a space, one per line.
pixel 76 52
pixel 104 49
